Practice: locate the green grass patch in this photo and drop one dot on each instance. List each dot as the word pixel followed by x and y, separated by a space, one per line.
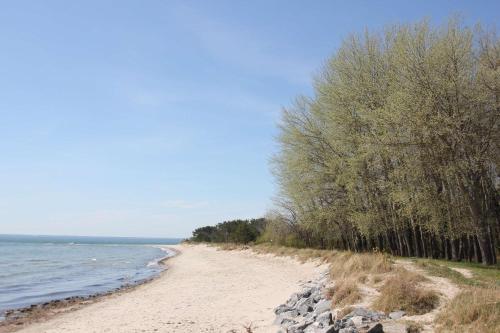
pixel 485 276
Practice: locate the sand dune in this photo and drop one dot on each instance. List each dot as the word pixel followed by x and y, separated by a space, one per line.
pixel 204 290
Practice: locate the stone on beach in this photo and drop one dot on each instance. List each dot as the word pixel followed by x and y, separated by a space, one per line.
pixel 396 314
pixel 310 312
pixel 322 306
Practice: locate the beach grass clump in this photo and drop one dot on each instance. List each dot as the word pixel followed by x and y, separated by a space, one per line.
pixel 473 310
pixel 404 291
pixel 231 246
pixel 413 327
pixel 301 254
pixel 360 264
pixel 344 311
pixel 344 292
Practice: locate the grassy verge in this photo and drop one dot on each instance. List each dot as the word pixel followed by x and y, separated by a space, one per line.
pixel 485 276
pixel 477 307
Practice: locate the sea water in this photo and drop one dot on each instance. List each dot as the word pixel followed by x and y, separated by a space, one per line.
pixel 38 269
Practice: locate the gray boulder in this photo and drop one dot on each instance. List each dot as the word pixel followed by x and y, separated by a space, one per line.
pixel 330 329
pixel 310 316
pixel 357 321
pixel 322 306
pixel 313 328
pixel 305 293
pixel 304 305
pixel 365 313
pixel 299 327
pixel 349 322
pixel 396 314
pixel 282 308
pixel 284 321
pixel 292 300
pixel 358 312
pixel 348 330
pixel 325 319
pixel 317 297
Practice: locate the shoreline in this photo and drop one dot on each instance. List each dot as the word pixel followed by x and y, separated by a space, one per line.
pixel 16 319
pixel 203 290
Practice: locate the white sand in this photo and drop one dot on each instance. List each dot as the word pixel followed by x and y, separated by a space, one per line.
pixel 204 290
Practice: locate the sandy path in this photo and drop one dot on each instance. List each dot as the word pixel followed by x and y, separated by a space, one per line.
pixel 204 290
pixel 444 287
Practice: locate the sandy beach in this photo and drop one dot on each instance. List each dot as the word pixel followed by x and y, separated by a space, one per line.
pixel 203 290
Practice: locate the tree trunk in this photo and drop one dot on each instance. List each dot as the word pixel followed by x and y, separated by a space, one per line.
pixel 485 246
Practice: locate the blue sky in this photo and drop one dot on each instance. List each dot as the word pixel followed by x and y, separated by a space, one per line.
pixel 150 118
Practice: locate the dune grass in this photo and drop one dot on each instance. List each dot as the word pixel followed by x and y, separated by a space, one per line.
pixel 413 327
pixel 344 292
pixel 343 263
pixel 349 264
pixel 301 254
pixel 403 291
pixel 473 310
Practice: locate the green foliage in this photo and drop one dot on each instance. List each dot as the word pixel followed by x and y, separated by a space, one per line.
pixel 398 148
pixel 237 231
pixel 204 234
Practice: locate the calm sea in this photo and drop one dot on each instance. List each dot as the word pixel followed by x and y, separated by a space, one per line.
pixel 37 269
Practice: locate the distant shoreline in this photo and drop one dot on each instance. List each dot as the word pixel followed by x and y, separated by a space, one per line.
pixel 15 319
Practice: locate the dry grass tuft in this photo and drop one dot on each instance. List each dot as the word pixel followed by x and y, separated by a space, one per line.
pixel 403 292
pixel 345 311
pixel 376 279
pixel 473 310
pixel 228 247
pixel 413 327
pixel 344 292
pixel 248 328
pixel 360 264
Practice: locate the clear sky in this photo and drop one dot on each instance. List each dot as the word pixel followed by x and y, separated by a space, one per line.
pixel 150 118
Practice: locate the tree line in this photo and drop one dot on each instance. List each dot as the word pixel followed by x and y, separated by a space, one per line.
pixel 236 231
pixel 398 148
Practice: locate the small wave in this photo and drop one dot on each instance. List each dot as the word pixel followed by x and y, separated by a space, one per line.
pixel 156 262
pixel 153 263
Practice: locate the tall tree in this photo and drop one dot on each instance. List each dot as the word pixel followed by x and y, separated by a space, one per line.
pixel 398 148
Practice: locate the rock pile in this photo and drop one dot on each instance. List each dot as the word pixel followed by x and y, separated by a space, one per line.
pixel 310 312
